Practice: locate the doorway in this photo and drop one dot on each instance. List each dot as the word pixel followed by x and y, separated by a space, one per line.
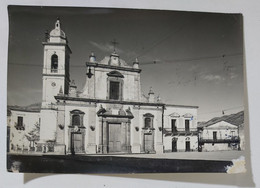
pixel 114 144
pixel 148 143
pixel 174 145
pixel 77 144
pixel 187 146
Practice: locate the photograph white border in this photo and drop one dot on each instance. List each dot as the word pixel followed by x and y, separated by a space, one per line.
pixel 251 16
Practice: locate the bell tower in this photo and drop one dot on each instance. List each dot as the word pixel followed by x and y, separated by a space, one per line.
pixel 56 76
pixel 56 80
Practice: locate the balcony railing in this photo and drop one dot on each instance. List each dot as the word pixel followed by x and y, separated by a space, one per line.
pixel 180 131
pixel 19 126
pixel 233 139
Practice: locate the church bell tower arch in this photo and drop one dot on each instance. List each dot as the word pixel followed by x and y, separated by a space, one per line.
pixel 56 59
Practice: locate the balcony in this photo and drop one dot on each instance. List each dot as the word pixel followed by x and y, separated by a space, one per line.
pixel 180 132
pixel 233 139
pixel 19 126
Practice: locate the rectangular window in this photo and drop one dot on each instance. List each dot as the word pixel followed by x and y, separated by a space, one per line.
pixel 76 120
pixel 19 124
pixel 187 125
pixel 20 121
pixel 114 90
pixel 147 123
pixel 232 135
pixel 214 135
pixel 174 128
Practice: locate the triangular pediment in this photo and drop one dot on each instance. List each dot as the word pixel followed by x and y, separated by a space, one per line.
pixel 188 115
pixel 222 125
pixel 175 114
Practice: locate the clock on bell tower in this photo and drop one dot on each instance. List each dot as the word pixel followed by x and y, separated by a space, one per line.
pixel 56 77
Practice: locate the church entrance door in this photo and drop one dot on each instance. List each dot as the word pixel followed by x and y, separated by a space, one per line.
pixel 114 138
pixel 148 143
pixel 77 143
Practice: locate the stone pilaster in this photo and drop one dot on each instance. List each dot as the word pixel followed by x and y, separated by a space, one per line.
pixel 105 137
pixel 128 144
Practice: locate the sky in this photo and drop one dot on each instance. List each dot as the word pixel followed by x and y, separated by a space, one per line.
pixel 187 58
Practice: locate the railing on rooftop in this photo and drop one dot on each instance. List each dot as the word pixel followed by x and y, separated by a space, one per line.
pixel 19 126
pixel 231 139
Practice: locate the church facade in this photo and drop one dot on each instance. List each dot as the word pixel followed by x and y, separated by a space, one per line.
pixel 110 114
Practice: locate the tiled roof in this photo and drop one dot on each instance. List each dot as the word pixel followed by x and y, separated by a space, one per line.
pixel 235 119
pixel 36 107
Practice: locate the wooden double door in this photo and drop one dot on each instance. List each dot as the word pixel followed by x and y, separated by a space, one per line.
pixel 77 143
pixel 148 142
pixel 117 138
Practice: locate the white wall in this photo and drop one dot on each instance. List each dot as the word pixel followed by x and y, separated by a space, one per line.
pixel 89 119
pixel 138 121
pixel 216 147
pixel 17 137
pixel 224 130
pixel 51 88
pixel 49 50
pixel 99 89
pixel 180 124
pixel 48 125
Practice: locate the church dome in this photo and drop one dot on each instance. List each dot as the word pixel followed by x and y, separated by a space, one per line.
pixel 57 32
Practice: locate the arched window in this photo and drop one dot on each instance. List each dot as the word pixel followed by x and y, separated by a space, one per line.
pixel 54 63
pixel 75 120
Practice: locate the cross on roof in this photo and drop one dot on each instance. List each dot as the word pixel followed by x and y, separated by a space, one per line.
pixel 114 42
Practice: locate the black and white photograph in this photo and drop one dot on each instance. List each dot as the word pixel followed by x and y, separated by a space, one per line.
pixel 113 90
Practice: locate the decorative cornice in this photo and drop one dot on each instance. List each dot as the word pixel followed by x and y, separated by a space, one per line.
pixel 180 106
pixel 63 97
pixel 76 112
pixel 59 75
pixel 107 101
pixel 174 115
pixel 116 116
pixel 130 69
pixel 148 115
pixel 26 110
pixel 54 44
pixel 115 74
pixel 57 44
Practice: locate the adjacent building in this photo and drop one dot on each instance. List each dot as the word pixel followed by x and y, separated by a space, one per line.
pixel 23 129
pixel 223 133
pixel 180 128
